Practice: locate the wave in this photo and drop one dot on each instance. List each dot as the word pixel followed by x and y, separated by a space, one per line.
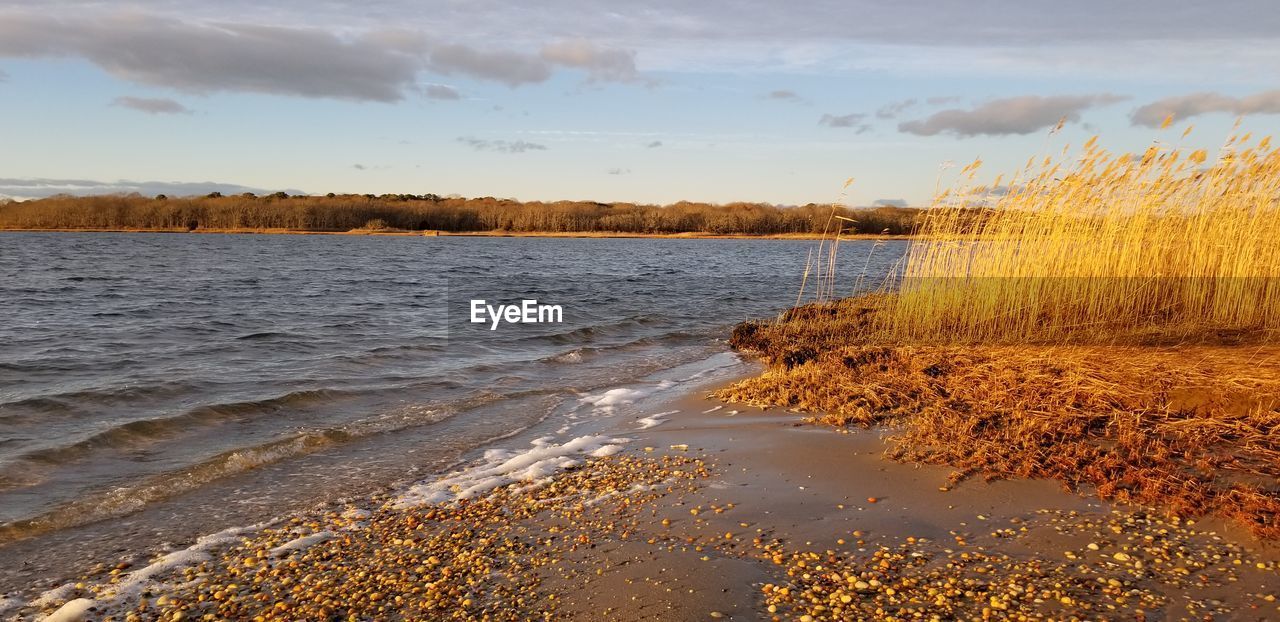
pixel 269 335
pixel 126 499
pixel 96 397
pixel 622 326
pixel 117 501
pixel 144 431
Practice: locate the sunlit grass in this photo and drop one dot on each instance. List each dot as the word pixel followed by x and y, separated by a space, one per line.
pixel 1100 246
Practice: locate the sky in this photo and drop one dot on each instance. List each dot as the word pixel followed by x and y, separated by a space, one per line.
pixel 650 101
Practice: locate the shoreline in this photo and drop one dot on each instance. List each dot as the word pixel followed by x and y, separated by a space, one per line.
pixel 486 234
pixel 686 507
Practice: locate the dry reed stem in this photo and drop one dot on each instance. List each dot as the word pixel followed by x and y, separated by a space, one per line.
pixel 1096 245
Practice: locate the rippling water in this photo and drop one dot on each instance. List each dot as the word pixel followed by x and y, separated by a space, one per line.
pixel 137 367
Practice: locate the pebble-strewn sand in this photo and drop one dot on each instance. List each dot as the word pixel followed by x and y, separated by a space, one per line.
pixel 713 514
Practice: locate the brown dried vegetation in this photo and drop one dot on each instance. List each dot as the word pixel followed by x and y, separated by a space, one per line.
pixel 1195 429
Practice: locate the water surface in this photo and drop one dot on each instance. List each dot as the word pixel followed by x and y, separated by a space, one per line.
pixel 139 368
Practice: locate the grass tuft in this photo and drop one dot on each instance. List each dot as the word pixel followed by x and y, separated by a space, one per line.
pixel 1111 323
pixel 1100 248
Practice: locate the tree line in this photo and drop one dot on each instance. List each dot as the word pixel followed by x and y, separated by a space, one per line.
pixel 335 212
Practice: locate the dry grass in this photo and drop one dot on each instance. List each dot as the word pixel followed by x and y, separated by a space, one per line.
pixel 1098 247
pixel 1192 429
pixel 1111 323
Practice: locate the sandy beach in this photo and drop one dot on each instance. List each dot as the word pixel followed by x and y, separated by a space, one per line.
pixel 687 508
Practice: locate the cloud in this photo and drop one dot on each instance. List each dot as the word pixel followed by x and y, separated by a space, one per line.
pixel 358 167
pixel 1182 43
pixel 889 203
pixel 507 67
pixel 782 95
pixel 45 187
pixel 217 56
pixel 940 100
pixel 441 91
pixel 891 110
pixel 4 77
pixel 151 105
pixel 211 57
pixel 1014 115
pixel 602 64
pixel 1187 106
pixel 654 145
pixel 853 120
pixel 619 171
pixel 504 146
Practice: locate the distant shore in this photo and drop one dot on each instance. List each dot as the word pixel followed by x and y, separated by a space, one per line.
pixel 490 234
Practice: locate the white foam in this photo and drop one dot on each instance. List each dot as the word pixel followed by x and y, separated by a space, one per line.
pixel 54 596
pixel 73 611
pixel 573 356
pixel 498 469
pixel 8 602
pixel 712 409
pixel 607 450
pixel 634 489
pixel 654 420
pixel 133 584
pixel 356 514
pixel 610 400
pixel 298 544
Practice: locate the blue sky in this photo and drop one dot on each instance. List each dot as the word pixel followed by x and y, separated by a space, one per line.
pixel 645 101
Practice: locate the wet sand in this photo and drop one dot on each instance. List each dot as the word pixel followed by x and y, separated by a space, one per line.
pixel 713 511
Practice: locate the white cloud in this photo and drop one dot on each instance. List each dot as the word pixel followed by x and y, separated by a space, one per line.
pixel 151 105
pixel 1180 42
pixel 1013 115
pixel 441 91
pixel 602 64
pixel 209 57
pixel 205 56
pixel 783 95
pixel 853 120
pixel 505 66
pixel 1187 106
pixel 504 146
pixel 893 109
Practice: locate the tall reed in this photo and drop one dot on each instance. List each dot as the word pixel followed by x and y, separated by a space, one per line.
pixel 1100 246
